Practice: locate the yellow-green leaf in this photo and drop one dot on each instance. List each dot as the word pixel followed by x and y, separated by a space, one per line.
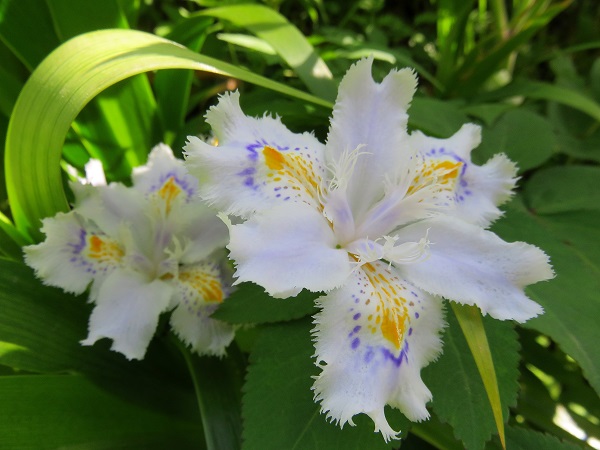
pixel 63 84
pixel 471 324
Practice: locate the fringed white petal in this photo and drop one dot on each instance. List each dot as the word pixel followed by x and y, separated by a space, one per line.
pixel 199 289
pixel 73 254
pixel 127 309
pixel 478 189
pixel 287 248
pixel 258 163
pixel 371 116
pixel 473 266
pixel 372 337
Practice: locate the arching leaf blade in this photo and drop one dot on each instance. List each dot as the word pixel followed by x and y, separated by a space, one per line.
pixel 63 84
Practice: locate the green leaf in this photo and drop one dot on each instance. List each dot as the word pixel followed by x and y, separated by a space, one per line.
pixel 523 439
pixel 435 117
pixel 40 326
pixel 564 188
pixel 249 303
pixel 459 395
pixel 471 324
pixel 278 407
pixel 62 85
pixel 218 384
pixel 173 87
pixel 570 301
pixel 526 138
pixel 60 411
pixel 120 125
pixel 23 20
pixel 286 40
pixel 546 91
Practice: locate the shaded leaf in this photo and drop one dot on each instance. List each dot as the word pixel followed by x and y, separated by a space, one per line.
pixel 435 117
pixel 570 301
pixel 459 396
pixel 58 411
pixel 523 439
pixel 564 188
pixel 278 407
pixel 249 303
pixel 526 138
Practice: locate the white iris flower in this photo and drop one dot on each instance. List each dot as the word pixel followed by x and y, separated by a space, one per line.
pixel 145 249
pixel 385 222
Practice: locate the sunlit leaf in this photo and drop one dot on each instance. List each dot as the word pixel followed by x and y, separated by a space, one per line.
pixel 60 87
pixel 286 40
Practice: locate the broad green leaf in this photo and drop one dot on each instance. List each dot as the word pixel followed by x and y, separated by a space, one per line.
pixel 471 324
pixel 545 91
pixel 526 138
pixel 564 188
pixel 173 87
pixel 459 395
pixel 218 384
pixel 11 240
pixel 69 78
pixel 436 433
pixel 524 439
pixel 249 303
pixel 570 301
pixel 278 407
pixel 435 117
pixel 286 40
pixel 70 411
pixel 19 22
pixel 40 326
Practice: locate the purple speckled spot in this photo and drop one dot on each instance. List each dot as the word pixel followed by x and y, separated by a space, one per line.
pixel 414 293
pixel 247 171
pixel 282 149
pixel 355 343
pixel 416 315
pixel 253 149
pixel 286 199
pixel 369 355
pixel 80 245
pixel 249 182
pixel 356 329
pixel 410 331
pixel 356 316
pixel 463 183
pixel 468 193
pixel 397 360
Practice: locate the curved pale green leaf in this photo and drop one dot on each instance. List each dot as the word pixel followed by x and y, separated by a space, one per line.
pixel 286 40
pixel 59 88
pixel 459 394
pixel 471 324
